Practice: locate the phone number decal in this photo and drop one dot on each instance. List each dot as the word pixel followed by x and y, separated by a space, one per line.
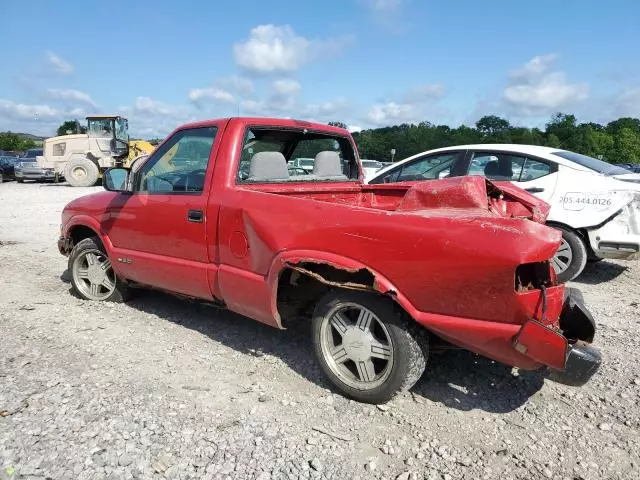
pixel 580 201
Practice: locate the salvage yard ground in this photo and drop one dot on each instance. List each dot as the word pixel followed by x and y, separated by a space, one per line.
pixel 168 388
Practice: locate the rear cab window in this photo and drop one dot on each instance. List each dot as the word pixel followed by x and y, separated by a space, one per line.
pixel 284 155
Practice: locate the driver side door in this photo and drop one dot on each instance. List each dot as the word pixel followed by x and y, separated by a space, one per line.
pixel 159 231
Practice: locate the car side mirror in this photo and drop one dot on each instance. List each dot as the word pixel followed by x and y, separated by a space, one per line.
pixel 116 180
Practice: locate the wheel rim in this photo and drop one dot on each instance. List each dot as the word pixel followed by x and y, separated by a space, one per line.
pixel 563 257
pixel 94 275
pixel 79 173
pixel 356 346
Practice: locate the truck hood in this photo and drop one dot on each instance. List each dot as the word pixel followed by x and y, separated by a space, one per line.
pixel 94 205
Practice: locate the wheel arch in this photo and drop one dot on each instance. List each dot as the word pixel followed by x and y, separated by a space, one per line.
pixel 328 270
pixel 82 227
pixel 580 232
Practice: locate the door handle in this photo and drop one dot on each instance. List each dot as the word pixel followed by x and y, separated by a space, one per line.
pixel 535 190
pixel 195 216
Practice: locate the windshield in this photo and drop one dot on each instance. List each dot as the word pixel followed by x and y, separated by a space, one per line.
pixel 599 166
pixel 122 129
pixel 100 127
pixel 33 153
pixel 306 162
pixel 371 164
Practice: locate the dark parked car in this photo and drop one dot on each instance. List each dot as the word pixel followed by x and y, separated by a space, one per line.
pixel 7 168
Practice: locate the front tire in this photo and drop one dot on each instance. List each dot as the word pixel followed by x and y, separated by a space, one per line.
pixel 20 180
pixel 81 172
pixel 366 347
pixel 92 275
pixel 571 257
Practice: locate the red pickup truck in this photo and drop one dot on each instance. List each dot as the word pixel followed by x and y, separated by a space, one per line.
pixel 218 212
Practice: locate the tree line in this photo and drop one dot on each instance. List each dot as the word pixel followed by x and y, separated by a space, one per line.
pixel 616 142
pixel 14 142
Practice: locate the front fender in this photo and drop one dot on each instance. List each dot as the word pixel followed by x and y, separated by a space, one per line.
pixel 87 221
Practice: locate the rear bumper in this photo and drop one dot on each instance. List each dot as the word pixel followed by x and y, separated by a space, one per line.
pixel 620 237
pixel 582 362
pixel 560 346
pixel 568 354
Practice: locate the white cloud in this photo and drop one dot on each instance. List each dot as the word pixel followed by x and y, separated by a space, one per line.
pixel 390 14
pixel 328 109
pixel 424 93
pixel 391 113
pixel 272 48
pixel 286 86
pixel 21 111
pixel 385 6
pixel 153 118
pixel 237 83
pixel 354 128
pixel 534 89
pixel 627 103
pixel 59 64
pixel 198 95
pixel 254 107
pixel 285 95
pixel 533 69
pixel 38 119
pixel 70 95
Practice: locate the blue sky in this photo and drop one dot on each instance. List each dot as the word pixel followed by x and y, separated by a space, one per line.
pixel 367 63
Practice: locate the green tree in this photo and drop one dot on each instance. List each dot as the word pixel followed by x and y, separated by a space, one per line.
pixel 338 124
pixel 552 141
pixel 72 126
pixel 624 122
pixel 626 148
pixel 492 125
pixel 15 142
pixel 9 141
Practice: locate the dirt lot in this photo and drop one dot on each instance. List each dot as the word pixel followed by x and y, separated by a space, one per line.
pixel 163 387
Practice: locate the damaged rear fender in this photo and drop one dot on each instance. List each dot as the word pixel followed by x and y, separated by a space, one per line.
pixel 333 270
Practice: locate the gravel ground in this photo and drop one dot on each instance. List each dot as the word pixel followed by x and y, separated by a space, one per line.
pixel 164 387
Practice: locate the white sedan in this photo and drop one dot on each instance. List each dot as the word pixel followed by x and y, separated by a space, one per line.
pixel 596 205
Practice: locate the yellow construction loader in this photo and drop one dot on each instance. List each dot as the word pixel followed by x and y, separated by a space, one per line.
pixel 81 158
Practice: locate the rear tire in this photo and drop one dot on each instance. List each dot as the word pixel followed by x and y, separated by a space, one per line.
pixel 81 172
pixel 20 180
pixel 571 258
pixel 366 347
pixel 92 276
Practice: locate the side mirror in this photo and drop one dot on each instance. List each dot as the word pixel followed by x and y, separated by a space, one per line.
pixel 116 180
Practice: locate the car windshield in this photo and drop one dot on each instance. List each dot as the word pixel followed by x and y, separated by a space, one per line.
pixel 306 162
pixel 33 153
pixel 371 164
pixel 599 166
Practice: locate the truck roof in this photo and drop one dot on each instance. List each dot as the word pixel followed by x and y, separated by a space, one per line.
pixel 272 122
pixel 103 116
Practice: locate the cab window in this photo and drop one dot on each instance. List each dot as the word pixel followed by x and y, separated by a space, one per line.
pixel 295 155
pixel 180 165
